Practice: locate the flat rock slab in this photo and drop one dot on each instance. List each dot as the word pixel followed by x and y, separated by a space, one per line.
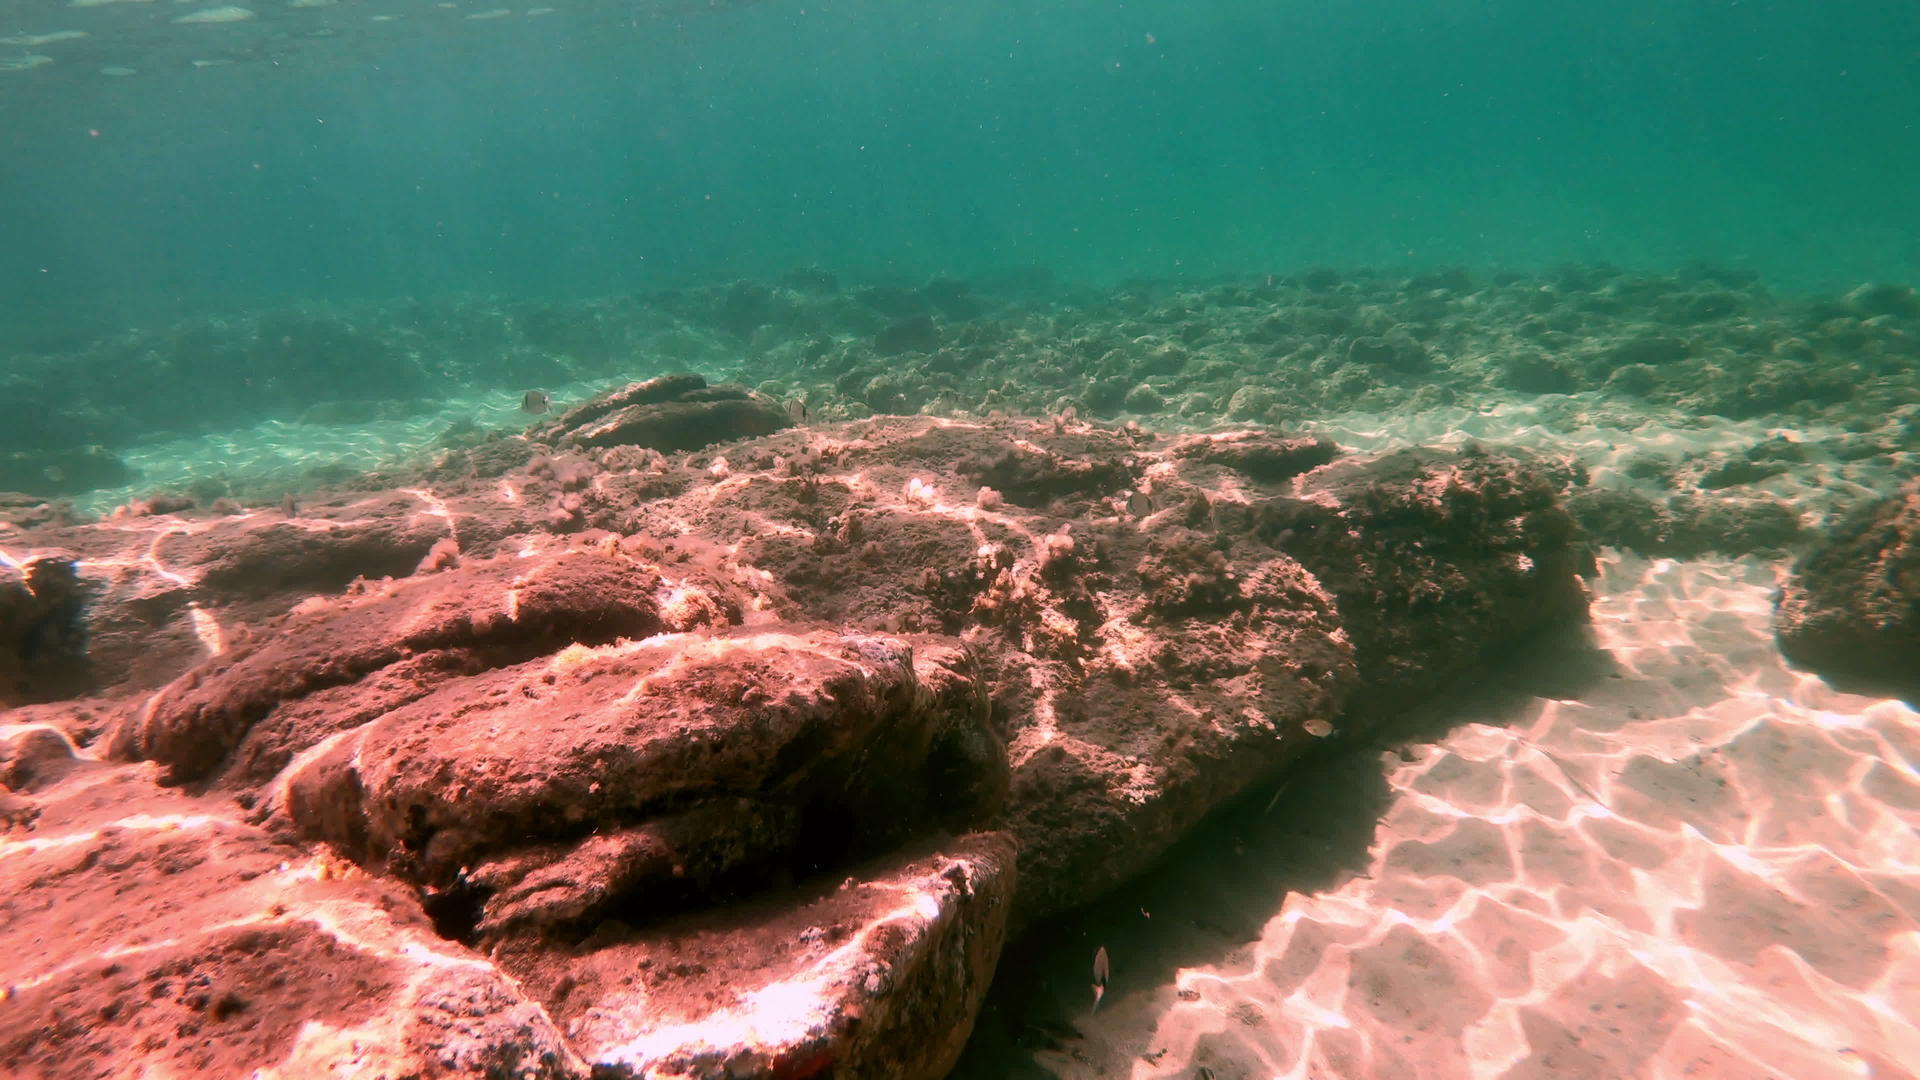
pixel 878 976
pixel 650 775
pixel 160 587
pixel 479 614
pixel 150 931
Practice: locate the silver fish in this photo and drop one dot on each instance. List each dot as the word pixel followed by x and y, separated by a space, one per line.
pixel 1101 970
pixel 536 402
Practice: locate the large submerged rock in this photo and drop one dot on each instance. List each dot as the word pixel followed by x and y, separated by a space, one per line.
pixel 1851 608
pixel 742 762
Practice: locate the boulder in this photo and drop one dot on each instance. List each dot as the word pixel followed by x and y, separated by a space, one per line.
pixel 1851 608
pixel 669 413
pixel 1438 558
pixel 150 931
pixel 43 631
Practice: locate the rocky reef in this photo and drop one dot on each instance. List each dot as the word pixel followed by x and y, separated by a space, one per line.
pixel 613 750
pixel 1705 394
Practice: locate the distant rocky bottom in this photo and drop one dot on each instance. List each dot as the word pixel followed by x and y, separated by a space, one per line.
pixel 572 755
pixel 1715 393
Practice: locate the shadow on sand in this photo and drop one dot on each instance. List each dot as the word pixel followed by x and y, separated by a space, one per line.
pixel 1307 832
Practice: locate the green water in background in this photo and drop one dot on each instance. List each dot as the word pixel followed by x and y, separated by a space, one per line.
pixel 597 149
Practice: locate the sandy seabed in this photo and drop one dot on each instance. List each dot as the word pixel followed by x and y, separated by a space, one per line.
pixel 1703 864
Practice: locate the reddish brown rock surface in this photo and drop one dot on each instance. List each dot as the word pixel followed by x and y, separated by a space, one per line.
pixel 152 932
pixel 480 615
pixel 875 974
pixel 648 775
pixel 740 762
pixel 1851 609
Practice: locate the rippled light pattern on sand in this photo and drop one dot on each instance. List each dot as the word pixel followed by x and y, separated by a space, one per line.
pixel 1710 866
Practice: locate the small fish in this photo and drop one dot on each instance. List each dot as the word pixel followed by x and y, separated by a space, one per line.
pixel 536 402
pixel 797 410
pixel 1139 504
pixel 1101 970
pixel 288 506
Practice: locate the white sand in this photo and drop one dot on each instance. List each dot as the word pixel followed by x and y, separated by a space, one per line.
pixel 1706 865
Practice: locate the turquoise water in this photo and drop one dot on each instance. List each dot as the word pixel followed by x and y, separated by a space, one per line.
pixel 392 148
pixel 265 257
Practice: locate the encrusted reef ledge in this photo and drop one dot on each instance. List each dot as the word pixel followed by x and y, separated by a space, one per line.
pixel 1851 608
pixel 735 761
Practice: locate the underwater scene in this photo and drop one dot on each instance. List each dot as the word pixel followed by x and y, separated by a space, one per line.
pixel 714 539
